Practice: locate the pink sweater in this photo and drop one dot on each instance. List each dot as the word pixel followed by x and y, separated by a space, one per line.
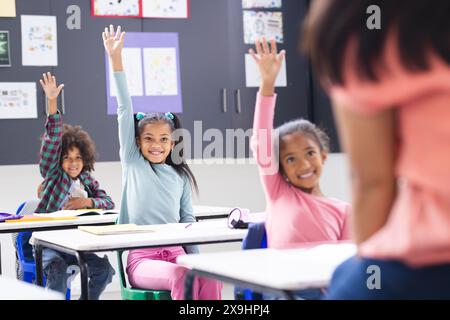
pixel 294 217
pixel 418 229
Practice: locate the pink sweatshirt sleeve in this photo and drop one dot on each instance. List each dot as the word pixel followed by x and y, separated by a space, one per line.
pixel 262 145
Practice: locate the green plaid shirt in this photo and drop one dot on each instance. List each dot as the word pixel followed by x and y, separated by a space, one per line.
pixel 57 183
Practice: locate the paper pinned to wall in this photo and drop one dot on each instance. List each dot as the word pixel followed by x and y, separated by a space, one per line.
pixel 5 51
pixel 165 8
pixel 8 8
pixel 259 23
pixel 160 71
pixel 253 78
pixel 39 41
pixel 251 4
pixel 115 8
pixel 132 63
pixel 18 100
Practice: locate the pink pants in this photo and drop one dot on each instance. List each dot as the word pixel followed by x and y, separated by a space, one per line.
pixel 156 269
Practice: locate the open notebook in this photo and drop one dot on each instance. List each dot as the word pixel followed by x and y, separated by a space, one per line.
pixel 76 213
pixel 117 229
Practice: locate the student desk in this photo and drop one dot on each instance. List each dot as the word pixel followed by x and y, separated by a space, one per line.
pixel 12 289
pixel 200 212
pixel 11 227
pixel 280 272
pixel 79 242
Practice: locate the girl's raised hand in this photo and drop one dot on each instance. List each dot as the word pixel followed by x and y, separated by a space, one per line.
pixel 267 59
pixel 48 83
pixel 113 41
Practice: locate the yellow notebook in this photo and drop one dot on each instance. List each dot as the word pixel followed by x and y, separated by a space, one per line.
pixel 37 218
pixel 116 229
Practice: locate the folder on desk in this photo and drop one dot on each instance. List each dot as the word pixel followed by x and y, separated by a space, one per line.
pixel 116 229
pixel 35 218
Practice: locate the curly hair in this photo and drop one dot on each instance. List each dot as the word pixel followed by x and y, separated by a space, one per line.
pixel 75 136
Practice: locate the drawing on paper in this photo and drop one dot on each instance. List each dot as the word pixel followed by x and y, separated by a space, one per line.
pixel 39 41
pixel 18 100
pixel 160 70
pixel 120 8
pixel 258 24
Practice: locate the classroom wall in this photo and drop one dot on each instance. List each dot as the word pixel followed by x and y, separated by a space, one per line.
pixel 220 184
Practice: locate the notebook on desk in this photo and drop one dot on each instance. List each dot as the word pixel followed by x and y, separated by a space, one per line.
pixel 116 229
pixel 37 218
pixel 76 213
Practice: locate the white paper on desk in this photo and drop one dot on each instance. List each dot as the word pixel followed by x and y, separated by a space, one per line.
pixel 18 100
pixel 253 78
pixel 39 41
pixel 132 62
pixel 160 66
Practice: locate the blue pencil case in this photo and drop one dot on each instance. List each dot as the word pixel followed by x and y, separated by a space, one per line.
pixel 7 216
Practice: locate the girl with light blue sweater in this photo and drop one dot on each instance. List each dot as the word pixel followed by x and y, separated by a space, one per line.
pixel 156 186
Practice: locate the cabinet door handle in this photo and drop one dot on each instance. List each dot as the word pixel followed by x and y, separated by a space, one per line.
pixel 224 100
pixel 63 102
pixel 238 101
pixel 46 105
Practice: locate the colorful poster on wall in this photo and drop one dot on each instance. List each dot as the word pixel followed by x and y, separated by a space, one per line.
pixel 140 8
pixel 39 41
pixel 116 8
pixel 253 78
pixel 165 8
pixel 158 64
pixel 18 100
pixel 5 51
pixel 254 4
pixel 259 23
pixel 132 63
pixel 8 8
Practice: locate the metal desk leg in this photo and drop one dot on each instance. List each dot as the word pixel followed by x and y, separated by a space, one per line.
pixel 39 268
pixel 83 276
pixel 188 285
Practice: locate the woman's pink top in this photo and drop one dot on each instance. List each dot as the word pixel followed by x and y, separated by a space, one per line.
pixel 294 217
pixel 418 229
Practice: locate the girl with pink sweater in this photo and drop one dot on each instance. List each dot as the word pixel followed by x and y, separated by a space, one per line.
pixel 298 211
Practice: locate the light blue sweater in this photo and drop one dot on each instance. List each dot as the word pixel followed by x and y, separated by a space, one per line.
pixel 151 194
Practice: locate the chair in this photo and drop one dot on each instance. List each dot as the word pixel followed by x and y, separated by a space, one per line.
pixel 25 263
pixel 130 293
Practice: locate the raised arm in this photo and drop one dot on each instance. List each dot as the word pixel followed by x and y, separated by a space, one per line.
pixel 269 64
pixel 51 141
pixel 113 42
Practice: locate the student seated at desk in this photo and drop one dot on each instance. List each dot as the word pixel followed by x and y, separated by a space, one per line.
pixel 390 89
pixel 156 187
pixel 298 210
pixel 67 158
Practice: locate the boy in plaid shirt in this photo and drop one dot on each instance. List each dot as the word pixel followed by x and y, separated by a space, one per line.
pixel 67 158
